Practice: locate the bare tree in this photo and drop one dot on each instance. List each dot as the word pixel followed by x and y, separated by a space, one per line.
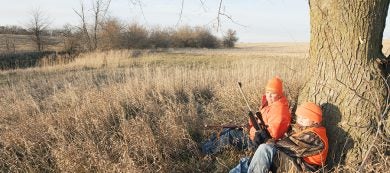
pixel 10 43
pixel 83 28
pixel 38 23
pixel 99 10
pixel 70 39
pixel 10 40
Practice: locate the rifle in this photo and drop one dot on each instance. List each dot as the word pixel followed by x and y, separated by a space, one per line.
pixel 262 128
pixel 229 126
pixel 250 113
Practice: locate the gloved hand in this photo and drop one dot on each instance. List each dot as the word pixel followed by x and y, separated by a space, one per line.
pixel 252 133
pixel 260 137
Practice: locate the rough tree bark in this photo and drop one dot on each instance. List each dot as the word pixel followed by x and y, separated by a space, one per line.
pixel 347 80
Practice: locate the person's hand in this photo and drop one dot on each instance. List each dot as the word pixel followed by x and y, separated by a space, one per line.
pixel 258 137
pixel 252 133
pixel 263 101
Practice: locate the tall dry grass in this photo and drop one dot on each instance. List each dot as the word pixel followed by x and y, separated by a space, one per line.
pixel 111 112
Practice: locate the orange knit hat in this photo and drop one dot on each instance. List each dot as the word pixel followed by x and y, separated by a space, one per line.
pixel 310 110
pixel 275 85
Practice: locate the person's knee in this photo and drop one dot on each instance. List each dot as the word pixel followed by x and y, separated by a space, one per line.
pixel 263 147
pixel 262 159
pixel 265 152
pixel 266 148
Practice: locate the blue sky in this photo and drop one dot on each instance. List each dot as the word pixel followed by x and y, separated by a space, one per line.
pixel 257 20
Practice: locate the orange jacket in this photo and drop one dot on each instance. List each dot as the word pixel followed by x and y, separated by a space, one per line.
pixel 276 116
pixel 320 158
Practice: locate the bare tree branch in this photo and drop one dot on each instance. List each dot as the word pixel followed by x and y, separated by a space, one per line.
pixel 84 25
pixel 222 13
pixel 219 12
pixel 203 5
pixel 99 10
pixel 181 12
pixel 139 4
pixel 231 19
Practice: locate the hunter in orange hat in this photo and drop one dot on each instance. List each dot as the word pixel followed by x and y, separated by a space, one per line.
pixel 275 85
pixel 275 114
pixel 274 110
pixel 307 146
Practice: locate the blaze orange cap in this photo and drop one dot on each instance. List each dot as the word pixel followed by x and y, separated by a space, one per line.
pixel 275 85
pixel 311 111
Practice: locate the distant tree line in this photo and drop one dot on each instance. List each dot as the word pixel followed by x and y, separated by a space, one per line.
pixel 115 35
pixel 97 31
pixel 18 30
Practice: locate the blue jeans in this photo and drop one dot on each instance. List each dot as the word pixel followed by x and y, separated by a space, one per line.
pixel 227 137
pixel 263 158
pixel 242 167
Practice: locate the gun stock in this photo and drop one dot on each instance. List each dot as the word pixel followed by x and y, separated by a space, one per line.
pixel 262 124
pixel 253 121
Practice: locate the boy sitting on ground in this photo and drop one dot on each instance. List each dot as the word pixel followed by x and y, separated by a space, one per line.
pixel 307 146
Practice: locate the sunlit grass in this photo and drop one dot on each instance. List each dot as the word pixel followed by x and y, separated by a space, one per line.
pixel 112 112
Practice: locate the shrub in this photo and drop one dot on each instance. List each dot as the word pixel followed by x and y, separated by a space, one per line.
pixel 198 37
pixel 230 38
pixel 160 38
pixel 184 37
pixel 205 39
pixel 135 36
pixel 111 34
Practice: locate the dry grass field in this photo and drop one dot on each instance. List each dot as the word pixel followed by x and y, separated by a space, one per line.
pixel 23 43
pixel 111 112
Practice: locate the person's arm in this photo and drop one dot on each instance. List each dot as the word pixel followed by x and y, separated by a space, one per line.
pixel 278 121
pixel 304 145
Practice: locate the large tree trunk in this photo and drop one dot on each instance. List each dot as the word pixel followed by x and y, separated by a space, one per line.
pixel 345 46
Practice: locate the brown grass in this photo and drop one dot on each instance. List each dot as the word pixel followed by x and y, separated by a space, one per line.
pixel 25 43
pixel 109 112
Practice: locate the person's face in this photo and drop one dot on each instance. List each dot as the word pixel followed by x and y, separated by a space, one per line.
pixel 304 121
pixel 271 97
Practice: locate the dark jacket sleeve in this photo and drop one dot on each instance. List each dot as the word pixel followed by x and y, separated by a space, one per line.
pixel 306 144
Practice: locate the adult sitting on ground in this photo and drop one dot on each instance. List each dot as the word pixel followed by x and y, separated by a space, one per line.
pixel 307 147
pixel 275 113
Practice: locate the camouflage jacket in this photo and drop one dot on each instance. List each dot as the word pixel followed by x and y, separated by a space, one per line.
pixel 303 145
